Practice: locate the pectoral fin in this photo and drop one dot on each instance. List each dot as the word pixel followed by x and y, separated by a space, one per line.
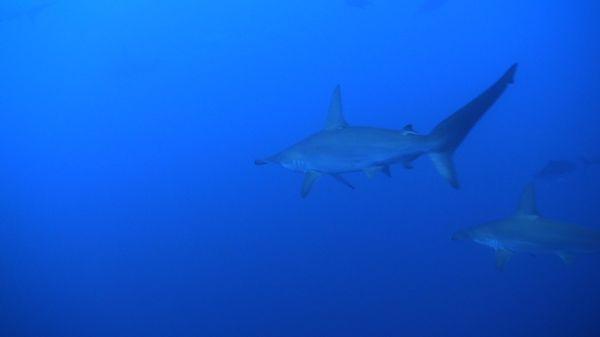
pixel 502 257
pixel 309 181
pixel 342 180
pixel 407 161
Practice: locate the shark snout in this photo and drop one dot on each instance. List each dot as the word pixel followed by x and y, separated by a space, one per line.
pixel 268 160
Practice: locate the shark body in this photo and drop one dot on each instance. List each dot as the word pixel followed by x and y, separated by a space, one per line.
pixel 557 168
pixel 528 232
pixel 341 148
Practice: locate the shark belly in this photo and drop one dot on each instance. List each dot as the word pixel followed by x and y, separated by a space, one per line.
pixel 355 149
pixel 522 246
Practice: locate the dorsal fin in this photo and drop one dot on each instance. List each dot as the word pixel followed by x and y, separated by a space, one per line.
pixel 335 118
pixel 527 205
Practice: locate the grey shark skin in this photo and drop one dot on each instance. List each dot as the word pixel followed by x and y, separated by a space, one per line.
pixel 528 232
pixel 341 148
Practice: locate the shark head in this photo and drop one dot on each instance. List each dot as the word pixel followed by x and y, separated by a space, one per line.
pixel 483 235
pixel 291 160
pixel 477 234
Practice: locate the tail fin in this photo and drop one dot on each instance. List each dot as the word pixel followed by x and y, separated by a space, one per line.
pixel 452 131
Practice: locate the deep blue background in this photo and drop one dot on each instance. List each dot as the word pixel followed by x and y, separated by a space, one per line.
pixel 129 204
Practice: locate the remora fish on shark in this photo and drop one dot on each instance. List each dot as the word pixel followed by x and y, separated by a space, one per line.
pixel 528 232
pixel 341 148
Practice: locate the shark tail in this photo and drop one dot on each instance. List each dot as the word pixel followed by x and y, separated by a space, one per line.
pixel 451 132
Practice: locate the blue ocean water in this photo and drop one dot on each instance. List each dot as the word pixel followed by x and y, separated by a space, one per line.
pixel 130 204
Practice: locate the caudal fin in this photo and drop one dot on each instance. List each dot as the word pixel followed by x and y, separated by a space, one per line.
pixel 451 132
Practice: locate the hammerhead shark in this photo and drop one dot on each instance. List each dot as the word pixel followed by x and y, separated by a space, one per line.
pixel 527 231
pixel 341 148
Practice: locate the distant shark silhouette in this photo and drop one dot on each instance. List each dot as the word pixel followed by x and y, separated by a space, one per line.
pixel 556 169
pixel 340 148
pixel 528 232
pixel 31 12
pixel 587 162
